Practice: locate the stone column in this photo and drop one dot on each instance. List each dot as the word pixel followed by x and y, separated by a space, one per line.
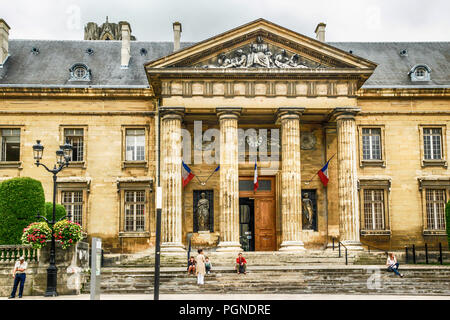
pixel 291 200
pixel 348 178
pixel 171 223
pixel 229 179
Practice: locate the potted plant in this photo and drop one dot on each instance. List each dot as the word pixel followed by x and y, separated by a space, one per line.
pixel 67 233
pixel 36 234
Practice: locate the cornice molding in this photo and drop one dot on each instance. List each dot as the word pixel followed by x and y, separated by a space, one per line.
pixel 62 92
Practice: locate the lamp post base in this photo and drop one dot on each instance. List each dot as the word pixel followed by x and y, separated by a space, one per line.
pixel 52 273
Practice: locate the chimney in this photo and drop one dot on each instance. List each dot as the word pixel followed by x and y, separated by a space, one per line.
pixel 320 32
pixel 4 39
pixel 126 44
pixel 176 36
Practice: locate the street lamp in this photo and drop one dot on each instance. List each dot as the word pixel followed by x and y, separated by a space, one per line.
pixel 62 160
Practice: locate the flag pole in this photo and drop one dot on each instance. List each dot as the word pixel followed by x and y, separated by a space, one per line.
pixel 307 182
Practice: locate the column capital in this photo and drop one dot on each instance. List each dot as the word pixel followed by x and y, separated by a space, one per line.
pixel 228 112
pixel 171 112
pixel 290 112
pixel 343 113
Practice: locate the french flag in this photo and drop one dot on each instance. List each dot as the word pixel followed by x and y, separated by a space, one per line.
pixel 323 174
pixel 255 179
pixel 186 174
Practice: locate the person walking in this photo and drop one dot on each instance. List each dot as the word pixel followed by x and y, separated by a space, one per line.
pixel 19 277
pixel 392 264
pixel 200 269
pixel 241 264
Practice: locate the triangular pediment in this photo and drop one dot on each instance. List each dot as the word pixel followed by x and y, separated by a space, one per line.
pixel 261 44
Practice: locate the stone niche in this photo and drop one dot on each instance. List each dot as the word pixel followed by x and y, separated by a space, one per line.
pixel 203 219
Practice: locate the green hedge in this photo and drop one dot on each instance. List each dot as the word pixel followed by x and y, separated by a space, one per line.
pixel 20 201
pixel 60 211
pixel 447 215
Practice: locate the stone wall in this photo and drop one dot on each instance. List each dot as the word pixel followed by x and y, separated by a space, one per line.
pixel 73 271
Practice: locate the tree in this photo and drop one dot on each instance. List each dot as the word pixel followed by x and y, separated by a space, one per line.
pixel 21 199
pixel 60 211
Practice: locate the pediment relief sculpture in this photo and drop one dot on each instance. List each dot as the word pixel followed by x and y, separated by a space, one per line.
pixel 260 55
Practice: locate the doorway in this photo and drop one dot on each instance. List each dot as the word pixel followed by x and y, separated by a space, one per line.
pixel 246 223
pixel 258 213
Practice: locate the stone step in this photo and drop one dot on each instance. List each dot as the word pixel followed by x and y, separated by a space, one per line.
pixel 348 279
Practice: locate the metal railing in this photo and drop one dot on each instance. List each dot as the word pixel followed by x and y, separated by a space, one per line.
pixel 11 253
pixel 339 248
pixel 426 249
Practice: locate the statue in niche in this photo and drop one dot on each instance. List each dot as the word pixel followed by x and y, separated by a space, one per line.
pixel 203 213
pixel 308 212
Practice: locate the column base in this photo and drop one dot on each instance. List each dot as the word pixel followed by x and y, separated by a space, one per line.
pixel 292 246
pixel 172 247
pixel 352 245
pixel 229 246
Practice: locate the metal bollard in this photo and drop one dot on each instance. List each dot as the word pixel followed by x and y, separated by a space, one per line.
pixel 440 253
pixel 414 253
pixel 426 253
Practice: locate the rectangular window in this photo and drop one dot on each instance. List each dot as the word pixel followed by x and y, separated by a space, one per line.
pixel 10 141
pixel 432 143
pixel 76 139
pixel 73 202
pixel 374 209
pixel 135 145
pixel 371 143
pixel 134 210
pixel 435 202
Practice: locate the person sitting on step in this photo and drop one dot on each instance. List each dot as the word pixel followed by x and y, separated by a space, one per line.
pixel 208 265
pixel 191 266
pixel 241 264
pixel 392 264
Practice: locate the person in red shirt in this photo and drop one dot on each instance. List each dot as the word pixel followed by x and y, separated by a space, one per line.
pixel 241 264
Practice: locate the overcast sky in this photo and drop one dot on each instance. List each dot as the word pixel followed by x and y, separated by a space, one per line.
pixel 347 20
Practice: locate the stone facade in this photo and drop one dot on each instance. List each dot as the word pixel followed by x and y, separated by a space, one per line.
pixel 321 112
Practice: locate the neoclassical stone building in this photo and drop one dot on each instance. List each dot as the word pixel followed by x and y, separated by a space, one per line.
pixel 142 114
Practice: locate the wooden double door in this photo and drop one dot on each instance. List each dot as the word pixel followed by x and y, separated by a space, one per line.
pixel 257 214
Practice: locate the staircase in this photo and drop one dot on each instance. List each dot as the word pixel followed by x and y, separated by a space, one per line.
pixel 313 272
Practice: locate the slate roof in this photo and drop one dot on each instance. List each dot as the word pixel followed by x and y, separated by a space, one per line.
pixel 392 70
pixel 51 66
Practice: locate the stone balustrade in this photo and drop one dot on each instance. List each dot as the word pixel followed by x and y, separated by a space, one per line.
pixel 11 253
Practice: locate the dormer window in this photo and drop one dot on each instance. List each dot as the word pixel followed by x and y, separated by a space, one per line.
pixel 420 73
pixel 80 72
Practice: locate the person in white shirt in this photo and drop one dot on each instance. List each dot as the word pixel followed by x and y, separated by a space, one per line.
pixel 19 277
pixel 392 264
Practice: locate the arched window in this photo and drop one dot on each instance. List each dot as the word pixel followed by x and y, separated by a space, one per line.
pixel 80 72
pixel 420 73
